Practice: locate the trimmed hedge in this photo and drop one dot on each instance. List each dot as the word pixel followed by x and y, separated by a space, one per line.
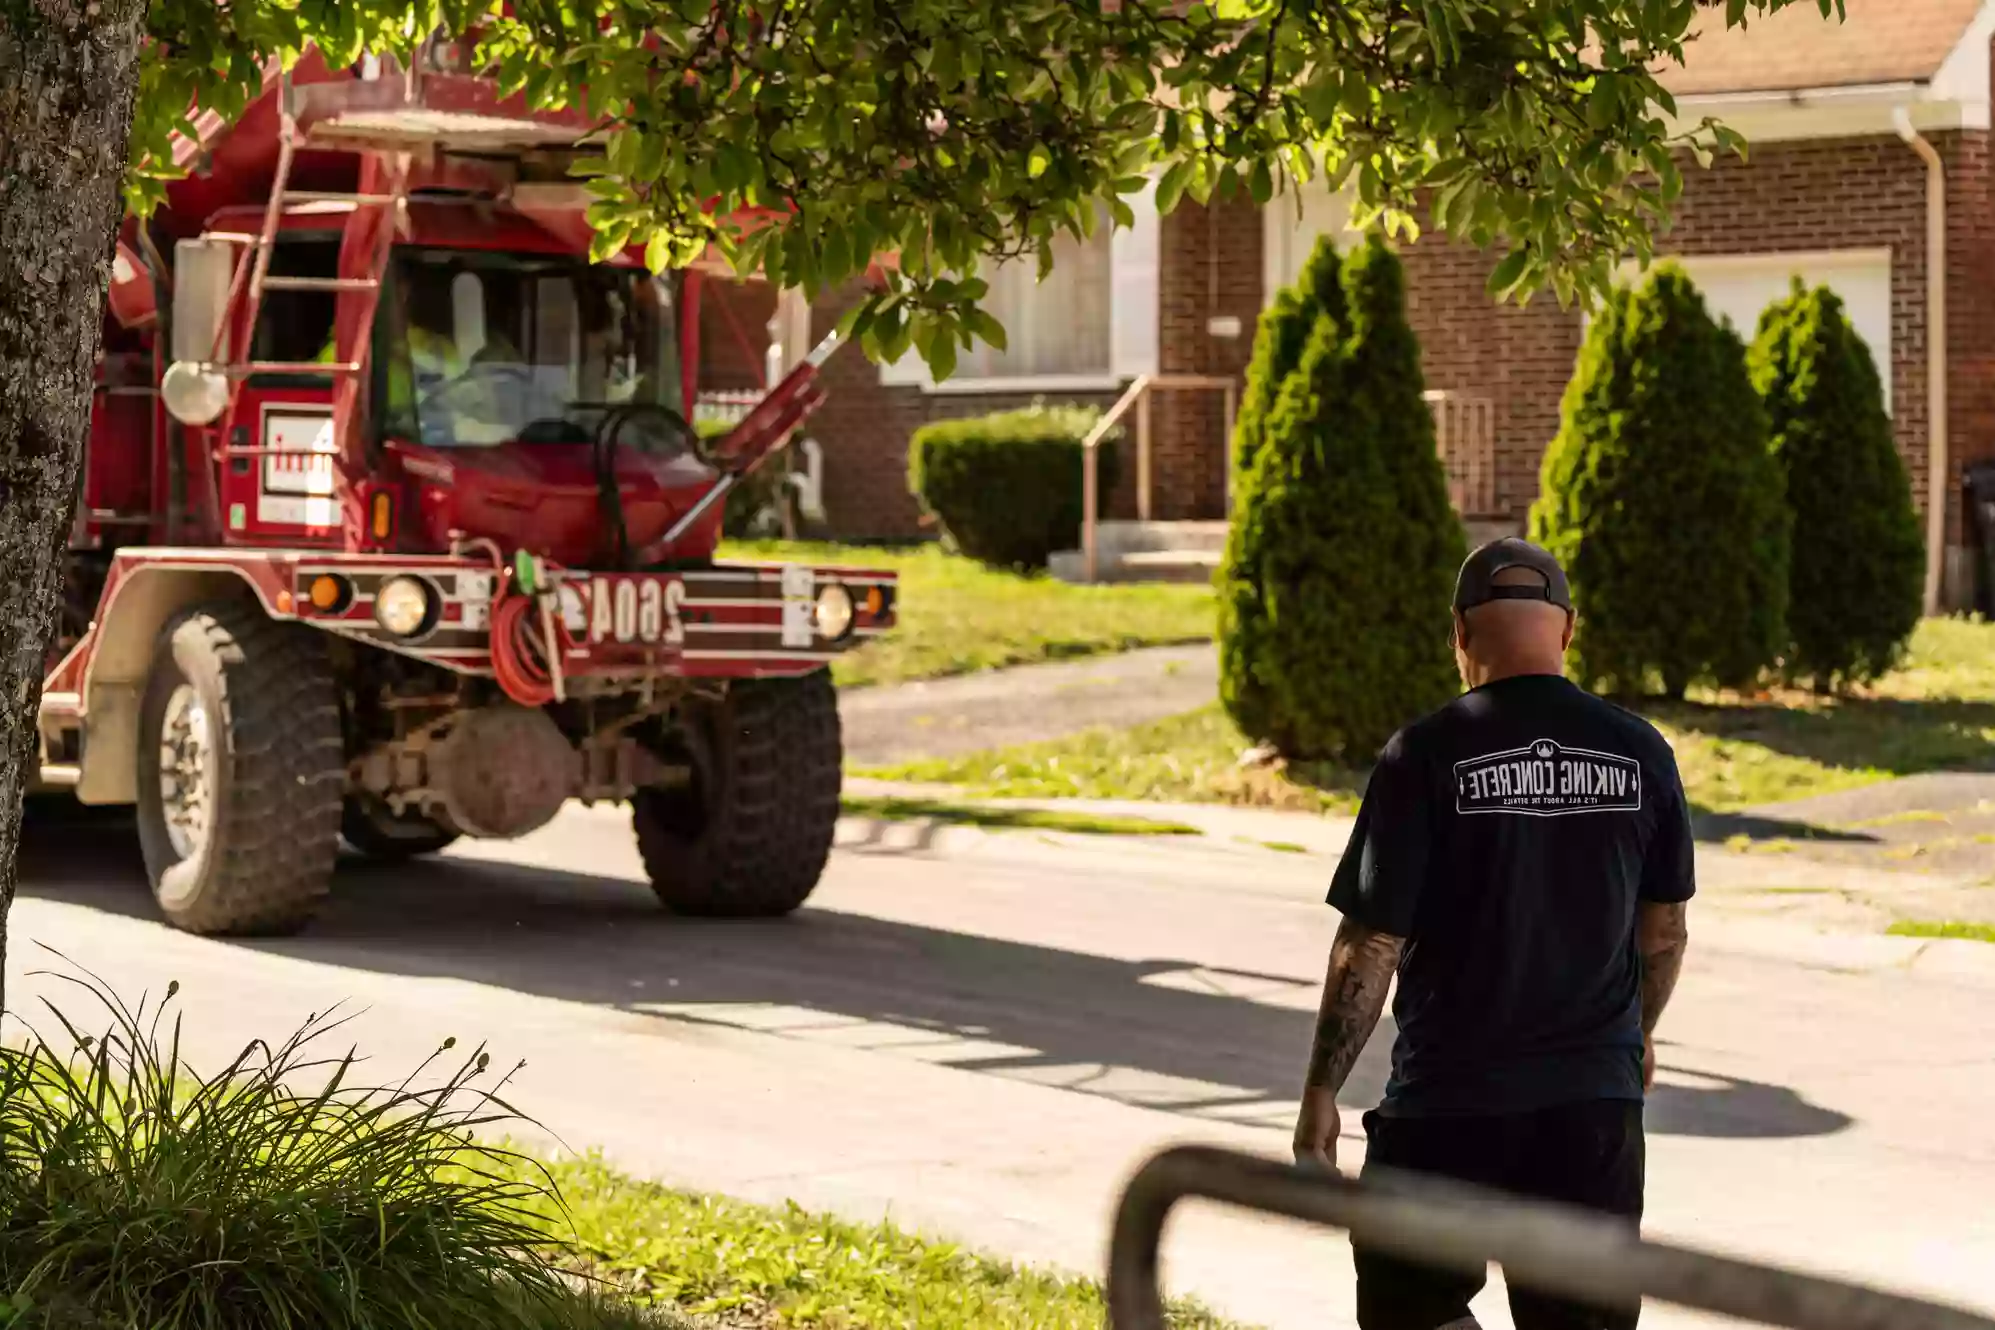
pixel 1340 565
pixel 1663 501
pixel 1857 575
pixel 1006 488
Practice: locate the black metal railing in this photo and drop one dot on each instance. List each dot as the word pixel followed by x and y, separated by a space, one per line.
pixel 1550 1249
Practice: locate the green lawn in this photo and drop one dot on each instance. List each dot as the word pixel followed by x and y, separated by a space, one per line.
pixel 745 1267
pixel 1938 713
pixel 1193 758
pixel 957 616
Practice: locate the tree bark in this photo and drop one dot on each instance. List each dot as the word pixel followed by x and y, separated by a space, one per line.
pixel 68 76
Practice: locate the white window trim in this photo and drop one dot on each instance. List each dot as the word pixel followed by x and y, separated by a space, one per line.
pixel 1021 383
pixel 1133 318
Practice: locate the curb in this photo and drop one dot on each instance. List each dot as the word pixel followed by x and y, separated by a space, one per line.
pixel 1238 831
pixel 1312 833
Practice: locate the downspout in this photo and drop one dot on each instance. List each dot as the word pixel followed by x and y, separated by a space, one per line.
pixel 1937 464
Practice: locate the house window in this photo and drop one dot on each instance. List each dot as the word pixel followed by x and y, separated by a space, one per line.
pixel 1091 324
pixel 1290 232
pixel 1057 327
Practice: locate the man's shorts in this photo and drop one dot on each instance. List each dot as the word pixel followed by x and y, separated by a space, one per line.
pixel 1588 1154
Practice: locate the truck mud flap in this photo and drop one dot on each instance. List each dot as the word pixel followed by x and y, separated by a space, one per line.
pixel 1549 1248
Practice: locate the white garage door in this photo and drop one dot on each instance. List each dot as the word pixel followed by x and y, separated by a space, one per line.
pixel 1740 286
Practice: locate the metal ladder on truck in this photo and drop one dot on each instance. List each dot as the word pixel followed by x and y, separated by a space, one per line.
pixel 373 217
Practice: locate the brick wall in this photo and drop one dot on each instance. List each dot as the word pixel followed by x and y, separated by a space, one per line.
pixel 1970 334
pixel 1210 266
pixel 1824 195
pixel 1518 356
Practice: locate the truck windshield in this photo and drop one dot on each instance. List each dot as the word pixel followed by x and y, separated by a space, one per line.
pixel 481 348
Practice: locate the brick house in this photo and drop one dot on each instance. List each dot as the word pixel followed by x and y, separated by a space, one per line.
pixel 1868 138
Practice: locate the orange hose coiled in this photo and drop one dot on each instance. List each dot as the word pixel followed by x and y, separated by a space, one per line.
pixel 519 657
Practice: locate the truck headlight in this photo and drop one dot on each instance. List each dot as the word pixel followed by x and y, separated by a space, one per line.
pixel 405 606
pixel 833 611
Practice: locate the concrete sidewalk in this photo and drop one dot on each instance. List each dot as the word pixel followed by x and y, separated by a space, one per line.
pixel 997 708
pixel 1781 907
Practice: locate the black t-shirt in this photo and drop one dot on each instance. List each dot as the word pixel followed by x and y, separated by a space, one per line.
pixel 1508 837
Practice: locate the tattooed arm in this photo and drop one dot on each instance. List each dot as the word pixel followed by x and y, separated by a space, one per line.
pixel 1661 936
pixel 1362 963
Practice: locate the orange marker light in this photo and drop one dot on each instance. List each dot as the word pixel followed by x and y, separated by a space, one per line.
pixel 384 514
pixel 875 601
pixel 283 602
pixel 325 591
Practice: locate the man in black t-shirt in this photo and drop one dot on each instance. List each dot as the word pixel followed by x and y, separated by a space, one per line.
pixel 1522 862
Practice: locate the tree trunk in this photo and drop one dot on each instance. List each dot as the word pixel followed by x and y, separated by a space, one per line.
pixel 68 75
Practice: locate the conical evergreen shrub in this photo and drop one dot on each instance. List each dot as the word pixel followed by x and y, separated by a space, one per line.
pixel 1422 546
pixel 1663 501
pixel 1279 342
pixel 1856 575
pixel 1335 585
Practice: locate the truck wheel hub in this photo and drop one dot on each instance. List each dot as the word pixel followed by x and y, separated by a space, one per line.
pixel 184 796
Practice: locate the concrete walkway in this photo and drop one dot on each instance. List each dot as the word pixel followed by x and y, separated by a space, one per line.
pixel 997 708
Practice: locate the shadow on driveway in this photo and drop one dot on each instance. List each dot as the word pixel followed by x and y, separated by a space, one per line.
pixel 1162 1033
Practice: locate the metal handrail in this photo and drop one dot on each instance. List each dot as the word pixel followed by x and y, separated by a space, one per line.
pixel 1560 1251
pixel 1465 436
pixel 1136 397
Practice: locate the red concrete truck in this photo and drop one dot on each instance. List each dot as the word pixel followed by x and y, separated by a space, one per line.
pixel 393 528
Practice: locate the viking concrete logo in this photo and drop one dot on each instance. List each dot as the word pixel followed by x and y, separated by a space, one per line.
pixel 1546 780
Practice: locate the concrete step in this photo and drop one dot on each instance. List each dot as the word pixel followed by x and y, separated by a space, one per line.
pixel 1157 537
pixel 1139 566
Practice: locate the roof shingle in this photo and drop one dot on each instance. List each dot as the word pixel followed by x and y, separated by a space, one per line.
pixel 1881 41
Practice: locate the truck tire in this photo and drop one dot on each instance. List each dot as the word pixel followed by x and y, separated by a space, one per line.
pixel 379 832
pixel 241 767
pixel 748 838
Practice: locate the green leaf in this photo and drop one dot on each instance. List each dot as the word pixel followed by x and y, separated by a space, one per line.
pixel 985 327
pixel 855 323
pixel 1508 273
pixel 938 346
pixel 1601 103
pixel 1321 95
pixel 895 332
pixel 1036 161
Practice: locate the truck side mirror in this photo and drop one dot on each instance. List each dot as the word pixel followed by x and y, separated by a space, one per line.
pixel 195 388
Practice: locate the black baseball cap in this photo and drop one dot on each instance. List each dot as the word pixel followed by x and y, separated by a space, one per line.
pixel 1476 584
